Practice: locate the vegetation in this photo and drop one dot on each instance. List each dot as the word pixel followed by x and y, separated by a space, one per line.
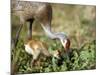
pixel 79 24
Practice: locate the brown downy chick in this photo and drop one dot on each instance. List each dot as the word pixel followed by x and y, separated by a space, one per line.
pixel 35 48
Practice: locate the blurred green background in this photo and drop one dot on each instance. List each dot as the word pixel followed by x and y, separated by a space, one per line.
pixel 79 24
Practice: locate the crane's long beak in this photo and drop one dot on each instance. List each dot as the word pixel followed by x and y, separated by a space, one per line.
pixel 67 45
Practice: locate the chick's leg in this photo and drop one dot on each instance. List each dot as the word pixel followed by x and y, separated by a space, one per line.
pixel 35 58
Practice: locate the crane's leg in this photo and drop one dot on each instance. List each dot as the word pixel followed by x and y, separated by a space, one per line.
pixel 15 40
pixel 30 29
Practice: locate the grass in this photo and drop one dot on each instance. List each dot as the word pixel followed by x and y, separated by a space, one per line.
pixel 79 24
pixel 80 59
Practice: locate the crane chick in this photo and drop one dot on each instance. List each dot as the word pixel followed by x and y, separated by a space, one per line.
pixel 37 48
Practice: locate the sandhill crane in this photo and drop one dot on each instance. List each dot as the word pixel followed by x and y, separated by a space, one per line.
pixel 29 11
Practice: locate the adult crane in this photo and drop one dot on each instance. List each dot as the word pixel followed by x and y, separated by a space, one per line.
pixel 29 11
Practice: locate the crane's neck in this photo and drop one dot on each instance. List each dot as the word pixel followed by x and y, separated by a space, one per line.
pixel 53 35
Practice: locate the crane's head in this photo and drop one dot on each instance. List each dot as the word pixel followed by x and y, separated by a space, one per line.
pixel 66 44
pixel 64 40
